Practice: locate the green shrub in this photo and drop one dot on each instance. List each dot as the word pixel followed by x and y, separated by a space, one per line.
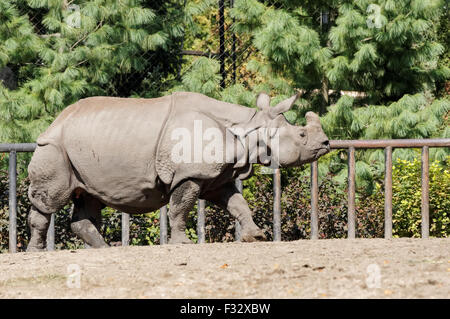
pixel 144 228
pixel 296 209
pixel 407 199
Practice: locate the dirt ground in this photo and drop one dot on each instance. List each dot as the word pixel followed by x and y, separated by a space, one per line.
pixel 361 268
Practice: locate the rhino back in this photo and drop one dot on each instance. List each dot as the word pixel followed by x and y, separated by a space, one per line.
pixel 111 144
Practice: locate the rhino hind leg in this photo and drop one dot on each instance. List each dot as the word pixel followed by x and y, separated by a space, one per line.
pixel 182 200
pixel 228 197
pixel 50 179
pixel 49 190
pixel 86 220
pixel 38 223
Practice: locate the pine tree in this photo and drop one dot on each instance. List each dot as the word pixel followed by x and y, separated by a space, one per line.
pixel 443 36
pixel 387 48
pixel 101 47
pixel 384 48
pixel 412 116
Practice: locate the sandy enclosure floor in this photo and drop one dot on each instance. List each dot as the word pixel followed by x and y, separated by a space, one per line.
pixel 360 268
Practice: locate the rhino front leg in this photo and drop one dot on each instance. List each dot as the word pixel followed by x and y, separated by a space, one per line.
pixel 228 197
pixel 86 220
pixel 38 223
pixel 182 200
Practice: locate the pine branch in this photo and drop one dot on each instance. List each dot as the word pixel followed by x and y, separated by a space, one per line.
pixel 86 35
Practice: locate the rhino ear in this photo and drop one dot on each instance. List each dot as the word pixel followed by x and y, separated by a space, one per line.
pixel 284 105
pixel 263 101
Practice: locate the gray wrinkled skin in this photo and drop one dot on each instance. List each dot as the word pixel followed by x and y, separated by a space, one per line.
pixel 104 151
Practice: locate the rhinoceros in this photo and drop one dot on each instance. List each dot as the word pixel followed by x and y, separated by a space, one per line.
pixel 119 152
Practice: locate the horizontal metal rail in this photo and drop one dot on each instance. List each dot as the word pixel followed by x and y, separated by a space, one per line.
pixel 22 147
pixel 350 145
pixel 398 143
pixel 388 145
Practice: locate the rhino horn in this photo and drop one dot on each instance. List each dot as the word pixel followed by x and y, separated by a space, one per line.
pixel 312 118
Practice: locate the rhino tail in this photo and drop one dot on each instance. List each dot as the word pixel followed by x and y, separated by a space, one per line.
pixel 165 168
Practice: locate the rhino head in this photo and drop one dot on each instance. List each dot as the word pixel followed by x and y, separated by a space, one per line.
pixel 288 145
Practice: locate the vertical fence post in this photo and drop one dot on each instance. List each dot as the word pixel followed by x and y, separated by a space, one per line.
pixel 163 225
pixel 233 48
pixel 237 225
pixel 425 194
pixel 201 221
pixel 314 200
pixel 388 192
pixel 125 229
pixel 222 42
pixel 12 170
pixel 181 47
pixel 51 234
pixel 351 192
pixel 276 205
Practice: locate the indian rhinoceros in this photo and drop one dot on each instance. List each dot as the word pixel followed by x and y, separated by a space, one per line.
pixel 119 152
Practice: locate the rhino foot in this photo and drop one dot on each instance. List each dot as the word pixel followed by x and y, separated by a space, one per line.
pixel 251 235
pixel 33 249
pixel 179 240
pixel 38 223
pixel 175 242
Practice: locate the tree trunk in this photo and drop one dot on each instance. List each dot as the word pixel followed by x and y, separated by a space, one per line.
pixel 8 78
pixel 325 94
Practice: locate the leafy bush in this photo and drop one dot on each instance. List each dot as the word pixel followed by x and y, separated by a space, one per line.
pixel 144 228
pixel 296 205
pixel 407 199
pixel 296 209
pixel 22 211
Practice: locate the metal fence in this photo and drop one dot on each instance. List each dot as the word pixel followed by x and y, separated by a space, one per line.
pixel 350 145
